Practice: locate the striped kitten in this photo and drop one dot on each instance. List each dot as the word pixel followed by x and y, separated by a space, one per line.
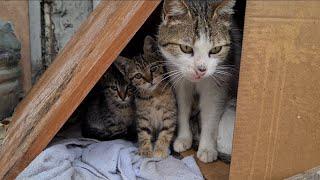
pixel 110 111
pixel 199 43
pixel 155 102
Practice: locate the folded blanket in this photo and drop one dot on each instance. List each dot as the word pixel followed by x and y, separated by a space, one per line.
pixel 82 158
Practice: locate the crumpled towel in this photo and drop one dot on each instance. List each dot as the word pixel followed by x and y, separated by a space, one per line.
pixel 90 159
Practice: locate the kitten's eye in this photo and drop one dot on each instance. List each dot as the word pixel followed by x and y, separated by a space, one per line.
pixel 186 49
pixel 138 76
pixel 215 50
pixel 153 68
pixel 114 88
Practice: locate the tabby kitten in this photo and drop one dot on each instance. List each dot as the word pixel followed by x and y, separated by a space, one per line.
pixel 154 100
pixel 197 40
pixel 110 112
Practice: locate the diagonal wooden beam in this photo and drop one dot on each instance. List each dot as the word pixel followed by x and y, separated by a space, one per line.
pixel 68 80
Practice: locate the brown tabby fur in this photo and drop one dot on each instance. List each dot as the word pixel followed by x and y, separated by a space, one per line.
pixel 155 102
pixel 110 110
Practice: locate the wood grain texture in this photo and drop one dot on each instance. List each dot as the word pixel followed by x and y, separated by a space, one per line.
pixel 68 80
pixel 277 131
pixel 17 12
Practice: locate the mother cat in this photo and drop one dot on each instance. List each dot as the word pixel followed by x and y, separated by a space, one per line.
pixel 197 41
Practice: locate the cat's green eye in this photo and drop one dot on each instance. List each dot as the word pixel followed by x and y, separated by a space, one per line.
pixel 153 68
pixel 186 49
pixel 114 88
pixel 215 50
pixel 138 76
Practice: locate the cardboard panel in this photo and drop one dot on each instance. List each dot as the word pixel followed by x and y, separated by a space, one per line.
pixel 277 131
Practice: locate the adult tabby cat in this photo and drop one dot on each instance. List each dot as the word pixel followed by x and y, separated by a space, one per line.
pixel 110 111
pixel 197 40
pixel 154 101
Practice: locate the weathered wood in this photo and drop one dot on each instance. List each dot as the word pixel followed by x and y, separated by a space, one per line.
pixel 68 80
pixel 277 132
pixel 17 12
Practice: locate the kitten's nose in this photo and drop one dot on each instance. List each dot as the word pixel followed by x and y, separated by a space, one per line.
pixel 122 96
pixel 149 79
pixel 202 69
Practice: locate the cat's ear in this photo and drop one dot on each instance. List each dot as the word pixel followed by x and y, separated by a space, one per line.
pixel 150 45
pixel 223 10
pixel 122 64
pixel 174 8
pixel 224 7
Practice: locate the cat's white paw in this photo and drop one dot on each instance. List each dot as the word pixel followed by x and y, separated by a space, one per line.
pixel 207 155
pixel 182 144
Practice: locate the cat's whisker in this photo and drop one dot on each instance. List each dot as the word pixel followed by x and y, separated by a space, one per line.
pixel 170 72
pixel 163 79
pixel 226 66
pixel 216 80
pixel 223 73
pixel 168 82
pixel 171 79
pixel 230 71
pixel 169 76
pixel 177 82
pixel 224 79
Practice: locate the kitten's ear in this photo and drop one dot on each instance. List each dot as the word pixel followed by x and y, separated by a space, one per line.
pixel 122 64
pixel 223 10
pixel 150 45
pixel 174 8
pixel 107 75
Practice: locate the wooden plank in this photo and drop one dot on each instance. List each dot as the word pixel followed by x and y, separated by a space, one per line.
pixel 277 131
pixel 68 80
pixel 17 12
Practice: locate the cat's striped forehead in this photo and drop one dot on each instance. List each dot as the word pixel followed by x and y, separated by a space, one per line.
pixel 140 62
pixel 114 77
pixel 205 18
pixel 146 60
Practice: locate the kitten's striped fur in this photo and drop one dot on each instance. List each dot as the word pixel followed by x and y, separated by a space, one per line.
pixel 110 111
pixel 154 101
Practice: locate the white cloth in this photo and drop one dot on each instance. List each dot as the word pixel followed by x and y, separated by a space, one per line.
pixel 116 160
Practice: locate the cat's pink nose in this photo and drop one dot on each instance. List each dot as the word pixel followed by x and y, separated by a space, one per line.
pixel 201 70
